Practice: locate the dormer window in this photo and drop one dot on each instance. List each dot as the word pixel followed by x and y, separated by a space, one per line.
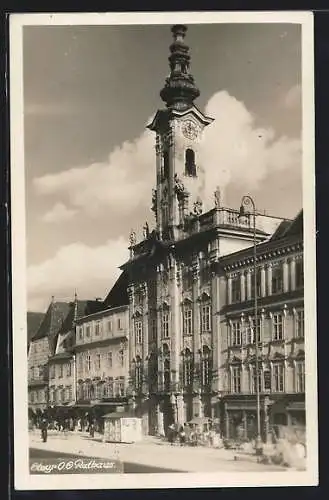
pixel 190 167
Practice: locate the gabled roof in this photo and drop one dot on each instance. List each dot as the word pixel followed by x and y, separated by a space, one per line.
pixel 78 309
pixel 53 320
pixel 34 320
pixel 118 295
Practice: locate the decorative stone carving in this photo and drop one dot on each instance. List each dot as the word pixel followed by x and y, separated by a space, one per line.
pixel 132 238
pixel 154 201
pixel 146 231
pixel 197 207
pixel 218 197
pixel 179 186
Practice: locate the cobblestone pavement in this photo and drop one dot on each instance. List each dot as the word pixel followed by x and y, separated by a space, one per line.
pixel 151 452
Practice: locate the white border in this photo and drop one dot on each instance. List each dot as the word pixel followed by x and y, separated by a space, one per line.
pixel 22 479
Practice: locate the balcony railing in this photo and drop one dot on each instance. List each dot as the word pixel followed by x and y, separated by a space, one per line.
pixel 218 217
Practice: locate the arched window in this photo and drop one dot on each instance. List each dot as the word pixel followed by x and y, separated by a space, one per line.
pixel 190 168
pixel 187 368
pixel 206 367
pixel 138 373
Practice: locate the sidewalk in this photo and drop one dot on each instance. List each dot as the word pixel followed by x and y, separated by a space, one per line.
pixel 151 452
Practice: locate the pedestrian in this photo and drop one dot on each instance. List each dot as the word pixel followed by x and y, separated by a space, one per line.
pixel 182 436
pixel 171 434
pixel 44 430
pixel 92 429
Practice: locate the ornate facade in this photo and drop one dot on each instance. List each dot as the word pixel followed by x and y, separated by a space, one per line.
pixel 176 289
pixel 280 330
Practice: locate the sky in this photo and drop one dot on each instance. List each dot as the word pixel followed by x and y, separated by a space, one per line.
pixel 90 91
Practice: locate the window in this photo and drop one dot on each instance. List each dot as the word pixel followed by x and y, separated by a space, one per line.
pixel 80 363
pixel 68 369
pixel 88 331
pixel 109 359
pixel 299 324
pixel 40 371
pixel 98 391
pixel 108 388
pixel 109 326
pixel 190 168
pixel 97 328
pixel 153 329
pixel 138 332
pixel 165 325
pixel 60 369
pixel 300 376
pixel 120 387
pixel 236 289
pixel 252 283
pixel 254 379
pixel 236 379
pixel 98 362
pixel 166 375
pixel 278 377
pixel 80 332
pixel 69 393
pixel 187 321
pixel 119 324
pixel 187 368
pixel 277 326
pixel 187 278
pixel 299 273
pixel 206 366
pixel 205 274
pixel 250 330
pixel 138 373
pixel 52 371
pixel 32 397
pixel 277 278
pixel 153 372
pixel 236 333
pixel 88 363
pixel 121 357
pixel 206 318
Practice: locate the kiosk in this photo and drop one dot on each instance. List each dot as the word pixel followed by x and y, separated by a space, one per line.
pixel 122 427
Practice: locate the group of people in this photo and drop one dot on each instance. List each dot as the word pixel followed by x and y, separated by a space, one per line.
pixel 192 435
pixel 65 425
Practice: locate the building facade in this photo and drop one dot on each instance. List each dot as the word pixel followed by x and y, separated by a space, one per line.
pixel 101 362
pixel 280 331
pixel 176 289
pixel 41 348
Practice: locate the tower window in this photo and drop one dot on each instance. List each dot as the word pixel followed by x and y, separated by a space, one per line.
pixel 190 168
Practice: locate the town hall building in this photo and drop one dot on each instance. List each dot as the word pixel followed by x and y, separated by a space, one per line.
pixel 176 286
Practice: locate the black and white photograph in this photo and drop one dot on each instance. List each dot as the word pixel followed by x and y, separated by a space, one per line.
pixel 163 250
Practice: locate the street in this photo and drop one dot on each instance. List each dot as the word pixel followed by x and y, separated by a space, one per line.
pixel 149 456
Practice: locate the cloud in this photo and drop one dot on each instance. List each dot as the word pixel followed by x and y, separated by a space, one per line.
pixel 48 109
pixel 293 98
pixel 234 151
pixel 59 213
pixel 90 270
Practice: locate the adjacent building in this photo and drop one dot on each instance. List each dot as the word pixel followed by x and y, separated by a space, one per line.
pixel 280 331
pixel 41 347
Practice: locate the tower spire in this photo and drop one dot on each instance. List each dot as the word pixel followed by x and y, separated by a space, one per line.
pixel 179 90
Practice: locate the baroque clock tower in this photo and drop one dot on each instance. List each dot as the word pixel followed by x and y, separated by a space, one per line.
pixel 180 178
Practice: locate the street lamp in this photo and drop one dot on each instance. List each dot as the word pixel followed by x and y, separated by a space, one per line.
pixel 246 203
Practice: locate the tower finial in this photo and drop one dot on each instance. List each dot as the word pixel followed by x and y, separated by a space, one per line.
pixel 180 90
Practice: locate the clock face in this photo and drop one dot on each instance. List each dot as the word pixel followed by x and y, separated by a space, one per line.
pixel 190 129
